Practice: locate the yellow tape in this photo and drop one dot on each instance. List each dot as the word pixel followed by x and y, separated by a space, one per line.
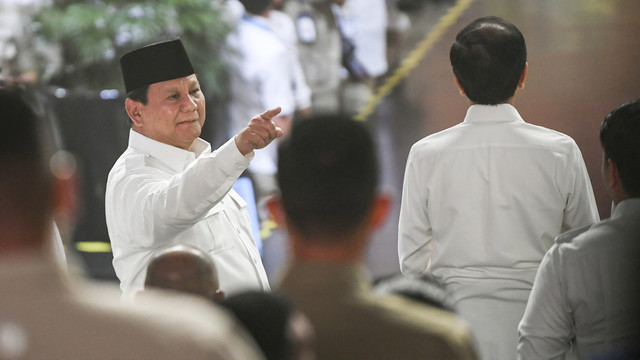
pixel 266 228
pixel 414 58
pixel 93 246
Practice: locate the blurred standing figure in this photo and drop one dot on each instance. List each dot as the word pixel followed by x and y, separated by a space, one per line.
pixel 320 51
pixel 330 205
pixel 44 315
pixel 260 77
pixel 483 200
pixel 586 296
pixel 363 24
pixel 23 59
pixel 284 28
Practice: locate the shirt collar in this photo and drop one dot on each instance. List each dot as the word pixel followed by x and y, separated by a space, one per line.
pixel 176 158
pixel 492 113
pixel 627 206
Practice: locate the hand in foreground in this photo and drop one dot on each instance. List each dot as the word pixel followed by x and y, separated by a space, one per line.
pixel 260 132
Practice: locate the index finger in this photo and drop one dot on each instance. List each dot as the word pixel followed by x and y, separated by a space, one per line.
pixel 271 113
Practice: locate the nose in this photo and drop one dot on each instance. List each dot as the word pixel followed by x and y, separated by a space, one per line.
pixel 189 104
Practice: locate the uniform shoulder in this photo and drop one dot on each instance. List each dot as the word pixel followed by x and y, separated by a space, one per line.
pixel 426 321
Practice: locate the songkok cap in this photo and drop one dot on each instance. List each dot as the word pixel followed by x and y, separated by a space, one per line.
pixel 154 63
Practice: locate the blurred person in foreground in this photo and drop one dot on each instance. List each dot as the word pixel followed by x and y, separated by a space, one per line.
pixel 483 200
pixel 184 268
pixel 330 206
pixel 168 187
pixel 45 315
pixel 586 296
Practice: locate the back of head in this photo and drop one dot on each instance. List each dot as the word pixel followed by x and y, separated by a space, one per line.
pixel 183 268
pixel 619 135
pixel 270 319
pixel 424 289
pixel 328 175
pixel 25 179
pixel 256 7
pixel 488 58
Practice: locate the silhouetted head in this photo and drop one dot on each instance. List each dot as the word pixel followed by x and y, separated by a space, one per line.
pixel 186 269
pixel 488 59
pixel 620 139
pixel 328 175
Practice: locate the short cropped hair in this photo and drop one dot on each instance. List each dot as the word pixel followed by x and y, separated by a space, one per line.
pixel 488 58
pixel 328 175
pixel 140 94
pixel 619 135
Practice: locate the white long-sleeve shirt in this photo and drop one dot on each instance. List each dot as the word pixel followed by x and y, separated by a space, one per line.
pixel 586 294
pixel 482 202
pixel 159 194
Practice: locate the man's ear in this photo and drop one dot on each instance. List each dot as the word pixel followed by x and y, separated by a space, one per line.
pixel 134 111
pixel 613 176
pixel 523 77
pixel 379 210
pixel 455 78
pixel 65 186
pixel 274 205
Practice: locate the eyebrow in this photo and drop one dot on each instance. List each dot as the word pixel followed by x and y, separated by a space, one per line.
pixel 190 84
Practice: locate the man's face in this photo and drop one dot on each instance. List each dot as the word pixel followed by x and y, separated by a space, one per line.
pixel 174 113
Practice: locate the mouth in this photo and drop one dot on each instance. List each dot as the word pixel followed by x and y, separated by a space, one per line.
pixel 186 122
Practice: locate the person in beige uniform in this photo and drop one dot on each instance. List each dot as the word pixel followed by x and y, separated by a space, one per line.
pixel 46 315
pixel 329 206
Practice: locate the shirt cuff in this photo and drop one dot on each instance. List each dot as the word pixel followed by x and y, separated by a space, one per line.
pixel 229 151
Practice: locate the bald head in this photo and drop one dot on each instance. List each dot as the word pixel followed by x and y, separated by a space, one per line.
pixel 184 268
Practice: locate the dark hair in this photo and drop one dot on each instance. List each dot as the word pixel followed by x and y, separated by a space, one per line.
pixel 25 178
pixel 424 289
pixel 140 94
pixel 488 58
pixel 256 7
pixel 620 138
pixel 266 317
pixel 328 174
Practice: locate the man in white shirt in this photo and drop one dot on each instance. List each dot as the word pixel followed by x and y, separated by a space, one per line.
pixel 586 295
pixel 482 201
pixel 168 187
